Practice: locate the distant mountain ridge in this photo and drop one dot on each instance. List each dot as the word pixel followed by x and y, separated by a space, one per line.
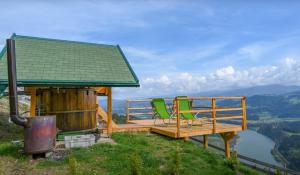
pixel 256 90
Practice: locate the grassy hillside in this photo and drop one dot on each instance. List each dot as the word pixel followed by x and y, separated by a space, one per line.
pixel 9 131
pixel 133 153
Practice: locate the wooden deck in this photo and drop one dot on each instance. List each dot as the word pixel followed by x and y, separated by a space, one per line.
pixel 198 128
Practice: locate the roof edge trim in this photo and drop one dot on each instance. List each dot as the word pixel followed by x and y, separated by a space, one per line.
pixel 63 40
pixel 72 83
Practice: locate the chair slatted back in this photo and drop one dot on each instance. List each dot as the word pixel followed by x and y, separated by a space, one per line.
pixel 185 105
pixel 160 108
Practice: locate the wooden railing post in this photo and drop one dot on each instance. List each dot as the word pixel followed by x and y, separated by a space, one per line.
pixel 127 111
pixel 214 114
pixel 244 119
pixel 178 117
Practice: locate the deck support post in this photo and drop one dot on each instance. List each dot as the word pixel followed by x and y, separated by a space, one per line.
pixel 178 117
pixel 244 120
pixel 109 111
pixel 227 137
pixel 205 141
pixel 32 102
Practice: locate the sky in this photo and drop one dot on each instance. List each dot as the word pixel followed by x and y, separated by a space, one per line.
pixel 175 47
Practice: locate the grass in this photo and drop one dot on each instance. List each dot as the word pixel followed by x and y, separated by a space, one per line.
pixel 134 153
pixel 10 131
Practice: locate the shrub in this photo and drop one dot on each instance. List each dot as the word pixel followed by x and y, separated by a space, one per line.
pixel 73 165
pixel 278 172
pixel 174 165
pixel 13 150
pixel 136 164
pixel 233 162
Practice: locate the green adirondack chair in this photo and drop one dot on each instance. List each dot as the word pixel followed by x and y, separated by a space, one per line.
pixel 185 105
pixel 160 110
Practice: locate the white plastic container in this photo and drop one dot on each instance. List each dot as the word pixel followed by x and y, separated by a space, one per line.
pixel 79 141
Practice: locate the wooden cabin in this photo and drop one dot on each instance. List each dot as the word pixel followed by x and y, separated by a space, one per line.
pixel 64 78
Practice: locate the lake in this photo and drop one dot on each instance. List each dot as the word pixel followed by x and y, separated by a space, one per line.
pixel 256 146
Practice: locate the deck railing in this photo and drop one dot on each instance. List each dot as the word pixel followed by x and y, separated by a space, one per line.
pixel 210 109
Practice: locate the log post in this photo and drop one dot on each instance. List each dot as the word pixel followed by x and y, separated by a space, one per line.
pixel 178 117
pixel 205 141
pixel 227 137
pixel 214 114
pixel 32 102
pixel 109 111
pixel 244 119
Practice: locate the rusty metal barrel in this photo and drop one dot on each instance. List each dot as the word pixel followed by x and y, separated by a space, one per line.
pixel 39 136
pixel 75 108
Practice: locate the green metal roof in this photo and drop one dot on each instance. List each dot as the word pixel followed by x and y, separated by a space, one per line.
pixel 51 62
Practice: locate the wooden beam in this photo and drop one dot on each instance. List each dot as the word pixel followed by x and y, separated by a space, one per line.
pixel 227 118
pixel 101 90
pixel 186 138
pixel 139 108
pixel 210 110
pixel 32 101
pixel 205 141
pixel 227 137
pixel 109 111
pixel 148 100
pixel 244 119
pixel 140 113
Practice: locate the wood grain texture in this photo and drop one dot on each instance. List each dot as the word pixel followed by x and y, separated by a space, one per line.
pixel 109 111
pixel 32 101
pixel 75 109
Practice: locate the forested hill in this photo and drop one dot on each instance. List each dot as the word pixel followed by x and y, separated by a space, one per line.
pixel 274 106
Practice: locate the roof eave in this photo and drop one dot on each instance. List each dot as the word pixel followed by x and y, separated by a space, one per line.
pixel 73 83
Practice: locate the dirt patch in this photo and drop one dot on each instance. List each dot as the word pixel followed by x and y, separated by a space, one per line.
pixel 11 166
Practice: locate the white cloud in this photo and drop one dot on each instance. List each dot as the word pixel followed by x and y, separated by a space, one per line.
pixel 289 62
pixel 225 72
pixel 220 79
pixel 253 51
pixel 147 62
pixel 142 53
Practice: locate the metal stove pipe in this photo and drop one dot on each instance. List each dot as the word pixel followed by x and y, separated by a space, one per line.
pixel 12 84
